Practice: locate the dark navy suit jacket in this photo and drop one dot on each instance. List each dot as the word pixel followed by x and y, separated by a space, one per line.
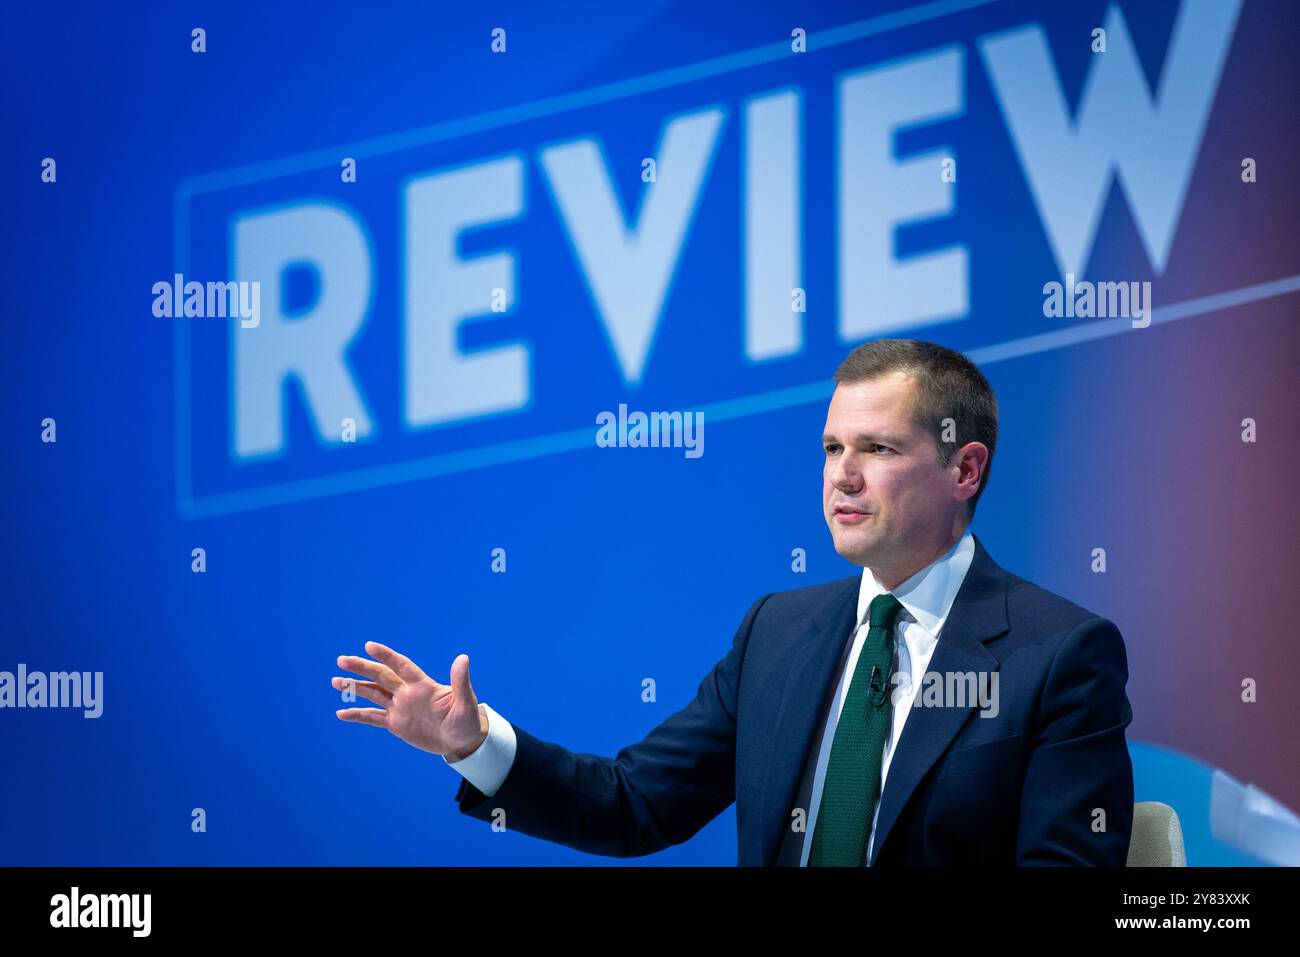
pixel 1048 780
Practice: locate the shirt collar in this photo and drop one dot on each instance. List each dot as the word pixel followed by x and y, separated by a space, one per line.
pixel 927 595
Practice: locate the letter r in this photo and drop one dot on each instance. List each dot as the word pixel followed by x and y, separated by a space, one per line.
pixel 310 347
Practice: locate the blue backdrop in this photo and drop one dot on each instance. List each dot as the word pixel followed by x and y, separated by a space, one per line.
pixel 794 147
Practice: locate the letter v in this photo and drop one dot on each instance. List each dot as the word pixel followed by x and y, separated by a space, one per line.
pixel 629 272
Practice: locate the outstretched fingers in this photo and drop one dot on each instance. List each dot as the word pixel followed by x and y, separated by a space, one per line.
pixel 366 689
pixel 404 667
pixel 372 669
pixel 376 716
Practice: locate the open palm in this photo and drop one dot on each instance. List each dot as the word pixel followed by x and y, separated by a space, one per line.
pixel 439 718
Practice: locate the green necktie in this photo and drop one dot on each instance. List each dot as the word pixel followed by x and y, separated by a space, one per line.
pixel 852 781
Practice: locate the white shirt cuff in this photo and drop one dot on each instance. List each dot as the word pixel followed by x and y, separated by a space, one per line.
pixel 486 768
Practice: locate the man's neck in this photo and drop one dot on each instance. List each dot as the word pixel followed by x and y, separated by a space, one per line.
pixel 897 578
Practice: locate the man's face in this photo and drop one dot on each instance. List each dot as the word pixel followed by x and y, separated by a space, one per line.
pixel 878 461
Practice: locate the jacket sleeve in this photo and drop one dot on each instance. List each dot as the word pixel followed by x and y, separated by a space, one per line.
pixel 1077 802
pixel 652 794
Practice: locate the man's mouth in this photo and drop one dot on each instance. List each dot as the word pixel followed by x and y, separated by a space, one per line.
pixel 848 515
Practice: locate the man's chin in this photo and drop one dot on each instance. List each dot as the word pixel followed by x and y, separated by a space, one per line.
pixel 856 550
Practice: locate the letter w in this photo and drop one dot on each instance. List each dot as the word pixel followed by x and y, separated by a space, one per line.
pixel 1152 144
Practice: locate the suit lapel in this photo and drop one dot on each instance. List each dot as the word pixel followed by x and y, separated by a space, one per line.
pixel 978 614
pixel 810 662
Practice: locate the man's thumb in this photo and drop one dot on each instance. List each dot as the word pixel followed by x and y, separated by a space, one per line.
pixel 460 679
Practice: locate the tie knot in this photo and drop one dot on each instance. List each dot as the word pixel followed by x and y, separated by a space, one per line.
pixel 884 611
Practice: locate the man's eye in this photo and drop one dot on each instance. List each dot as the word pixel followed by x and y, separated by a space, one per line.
pixel 876 445
pixel 830 448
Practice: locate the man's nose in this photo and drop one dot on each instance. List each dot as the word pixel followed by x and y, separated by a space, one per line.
pixel 845 474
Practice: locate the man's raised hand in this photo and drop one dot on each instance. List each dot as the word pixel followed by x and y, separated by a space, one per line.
pixel 438 718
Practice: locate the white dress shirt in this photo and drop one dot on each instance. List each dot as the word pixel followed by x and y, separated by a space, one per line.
pixel 926 598
pixel 490 762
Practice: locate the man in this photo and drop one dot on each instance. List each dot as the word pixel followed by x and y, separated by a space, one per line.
pixel 932 710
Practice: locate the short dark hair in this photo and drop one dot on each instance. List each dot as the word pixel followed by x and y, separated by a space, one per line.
pixel 948 385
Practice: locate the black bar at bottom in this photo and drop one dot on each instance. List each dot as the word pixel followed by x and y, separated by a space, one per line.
pixel 345 905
